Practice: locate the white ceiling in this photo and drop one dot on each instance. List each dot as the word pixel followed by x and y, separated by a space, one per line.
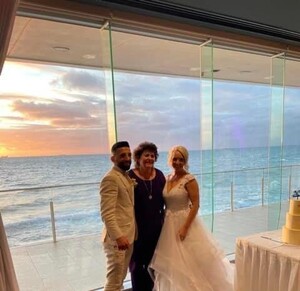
pixel 43 41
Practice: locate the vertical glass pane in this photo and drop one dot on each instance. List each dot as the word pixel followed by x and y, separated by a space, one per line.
pixel 207 134
pixel 241 125
pixel 291 140
pixel 154 78
pixel 54 149
pixel 275 185
pixel 107 60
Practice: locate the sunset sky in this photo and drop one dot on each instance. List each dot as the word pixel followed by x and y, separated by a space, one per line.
pixel 46 110
pixel 53 110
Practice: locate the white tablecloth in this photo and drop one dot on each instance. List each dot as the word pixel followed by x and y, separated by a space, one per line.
pixel 264 263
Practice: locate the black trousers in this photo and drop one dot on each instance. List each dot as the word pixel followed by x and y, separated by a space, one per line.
pixel 140 278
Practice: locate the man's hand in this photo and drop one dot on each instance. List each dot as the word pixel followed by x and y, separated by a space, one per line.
pixel 123 243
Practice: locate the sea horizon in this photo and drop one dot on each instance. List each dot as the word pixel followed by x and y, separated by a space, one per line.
pixel 71 183
pixel 132 148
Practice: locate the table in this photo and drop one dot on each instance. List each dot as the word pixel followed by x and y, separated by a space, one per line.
pixel 265 263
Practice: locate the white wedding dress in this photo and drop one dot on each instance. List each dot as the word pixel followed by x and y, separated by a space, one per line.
pixel 194 264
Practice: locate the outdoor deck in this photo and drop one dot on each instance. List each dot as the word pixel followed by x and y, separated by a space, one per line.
pixel 78 264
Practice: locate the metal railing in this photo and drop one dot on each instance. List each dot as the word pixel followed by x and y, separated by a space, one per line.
pixel 232 187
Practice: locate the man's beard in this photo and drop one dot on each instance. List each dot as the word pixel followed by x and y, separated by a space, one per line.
pixel 124 166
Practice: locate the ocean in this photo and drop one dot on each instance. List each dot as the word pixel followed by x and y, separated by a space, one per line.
pixel 28 185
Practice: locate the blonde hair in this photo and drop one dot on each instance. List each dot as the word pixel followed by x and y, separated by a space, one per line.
pixel 183 151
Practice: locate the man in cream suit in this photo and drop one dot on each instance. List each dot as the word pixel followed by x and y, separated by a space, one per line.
pixel 117 212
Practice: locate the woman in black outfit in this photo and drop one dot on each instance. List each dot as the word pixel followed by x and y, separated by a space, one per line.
pixel 149 213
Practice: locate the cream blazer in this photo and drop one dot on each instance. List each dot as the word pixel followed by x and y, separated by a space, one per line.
pixel 117 206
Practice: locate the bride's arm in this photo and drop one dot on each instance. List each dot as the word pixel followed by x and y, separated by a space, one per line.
pixel 193 193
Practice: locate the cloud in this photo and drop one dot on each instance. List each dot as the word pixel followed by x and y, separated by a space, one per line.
pixel 165 110
pixel 33 110
pixel 12 118
pixel 79 123
pixel 81 80
pixel 12 97
pixel 154 87
pixel 237 110
pixel 62 113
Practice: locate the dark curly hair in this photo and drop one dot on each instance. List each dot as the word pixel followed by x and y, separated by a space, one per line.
pixel 144 146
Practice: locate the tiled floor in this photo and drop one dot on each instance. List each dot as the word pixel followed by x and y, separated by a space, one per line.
pixel 71 264
pixel 78 264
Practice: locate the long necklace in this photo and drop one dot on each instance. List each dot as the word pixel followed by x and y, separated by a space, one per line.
pixel 149 191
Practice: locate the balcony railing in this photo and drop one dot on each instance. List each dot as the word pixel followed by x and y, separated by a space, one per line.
pixel 39 213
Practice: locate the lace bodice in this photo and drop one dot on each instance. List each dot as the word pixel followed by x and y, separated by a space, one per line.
pixel 177 197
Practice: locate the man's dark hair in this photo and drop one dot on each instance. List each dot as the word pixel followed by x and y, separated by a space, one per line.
pixel 119 144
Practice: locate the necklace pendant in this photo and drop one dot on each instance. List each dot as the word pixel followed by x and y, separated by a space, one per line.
pixel 150 196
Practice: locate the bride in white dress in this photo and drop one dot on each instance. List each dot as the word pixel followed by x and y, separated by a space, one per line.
pixel 186 257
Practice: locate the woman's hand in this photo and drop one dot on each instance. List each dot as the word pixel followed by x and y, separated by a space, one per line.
pixel 182 233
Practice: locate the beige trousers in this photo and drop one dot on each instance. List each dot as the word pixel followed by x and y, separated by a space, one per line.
pixel 117 263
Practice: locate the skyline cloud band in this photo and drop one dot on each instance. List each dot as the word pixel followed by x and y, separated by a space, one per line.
pixel 165 110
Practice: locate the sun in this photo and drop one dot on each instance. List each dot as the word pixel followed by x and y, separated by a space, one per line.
pixel 3 151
